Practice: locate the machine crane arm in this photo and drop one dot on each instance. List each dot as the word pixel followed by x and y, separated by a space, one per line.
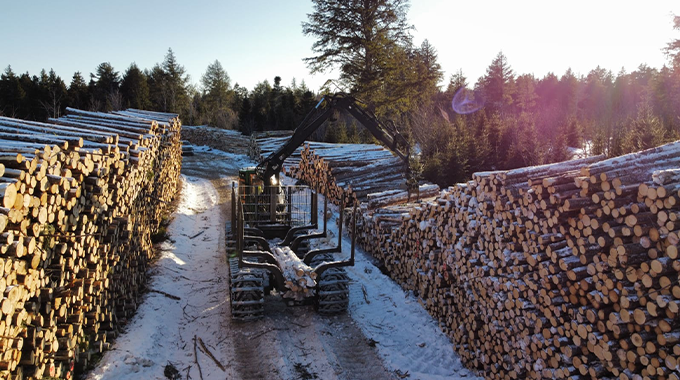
pixel 269 169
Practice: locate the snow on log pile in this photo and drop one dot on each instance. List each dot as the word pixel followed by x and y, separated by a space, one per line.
pixel 225 140
pixel 300 278
pixel 357 172
pixel 565 271
pixel 357 169
pixel 81 198
pixel 262 144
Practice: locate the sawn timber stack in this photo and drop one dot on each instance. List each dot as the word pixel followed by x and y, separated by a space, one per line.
pixel 566 271
pixel 82 197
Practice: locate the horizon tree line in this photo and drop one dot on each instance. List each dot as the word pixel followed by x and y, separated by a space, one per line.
pixel 521 120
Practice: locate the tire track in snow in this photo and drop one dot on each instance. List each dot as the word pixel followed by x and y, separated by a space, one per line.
pixel 192 267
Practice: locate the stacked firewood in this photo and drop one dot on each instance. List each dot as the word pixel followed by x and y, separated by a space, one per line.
pixel 82 197
pixel 565 271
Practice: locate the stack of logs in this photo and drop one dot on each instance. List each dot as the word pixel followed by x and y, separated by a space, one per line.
pixel 82 197
pixel 261 144
pixel 316 172
pixel 226 140
pixel 563 271
pixel 360 172
pixel 359 169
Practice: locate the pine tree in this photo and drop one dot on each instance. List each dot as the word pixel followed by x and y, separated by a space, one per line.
pixel 178 82
pixel 11 93
pixel 643 132
pixel 525 97
pixel 596 104
pixel 568 94
pixel 169 85
pixel 673 47
pixel 261 106
pixel 360 38
pixel 55 94
pixel 216 85
pixel 218 97
pixel 456 82
pixel 33 93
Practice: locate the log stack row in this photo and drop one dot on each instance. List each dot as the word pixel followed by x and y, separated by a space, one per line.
pixel 82 197
pixel 315 171
pixel 223 139
pixel 356 169
pixel 360 172
pixel 262 144
pixel 563 271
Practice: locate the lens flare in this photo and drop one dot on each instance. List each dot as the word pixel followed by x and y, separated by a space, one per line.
pixel 466 101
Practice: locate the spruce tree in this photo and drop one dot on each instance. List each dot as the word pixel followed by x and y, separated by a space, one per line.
pixel 106 88
pixel 134 88
pixel 498 85
pixel 673 47
pixel 11 94
pixel 177 83
pixel 78 96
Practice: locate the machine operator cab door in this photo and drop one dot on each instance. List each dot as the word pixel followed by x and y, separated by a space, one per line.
pixel 249 181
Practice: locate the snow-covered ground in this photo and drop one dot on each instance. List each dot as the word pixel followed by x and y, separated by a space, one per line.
pixel 405 340
pixel 408 339
pixel 192 267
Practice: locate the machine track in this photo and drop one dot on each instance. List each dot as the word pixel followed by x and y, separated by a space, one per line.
pixel 247 295
pixel 332 289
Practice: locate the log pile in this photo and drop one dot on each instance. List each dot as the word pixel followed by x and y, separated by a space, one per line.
pixel 225 140
pixel 357 172
pixel 262 144
pixel 187 148
pixel 392 197
pixel 566 271
pixel 81 198
pixel 356 169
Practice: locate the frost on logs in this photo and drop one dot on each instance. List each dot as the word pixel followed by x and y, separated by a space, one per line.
pixel 300 279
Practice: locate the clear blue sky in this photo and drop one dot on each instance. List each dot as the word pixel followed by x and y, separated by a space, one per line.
pixel 259 39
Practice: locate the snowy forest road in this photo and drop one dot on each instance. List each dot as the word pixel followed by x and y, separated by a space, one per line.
pixel 386 334
pixel 290 342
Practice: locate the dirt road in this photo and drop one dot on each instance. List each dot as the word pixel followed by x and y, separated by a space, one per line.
pixel 384 335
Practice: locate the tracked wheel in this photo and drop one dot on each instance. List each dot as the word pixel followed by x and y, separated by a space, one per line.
pixel 333 288
pixel 247 295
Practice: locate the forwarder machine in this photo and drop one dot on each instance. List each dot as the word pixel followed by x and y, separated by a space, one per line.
pixel 269 218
